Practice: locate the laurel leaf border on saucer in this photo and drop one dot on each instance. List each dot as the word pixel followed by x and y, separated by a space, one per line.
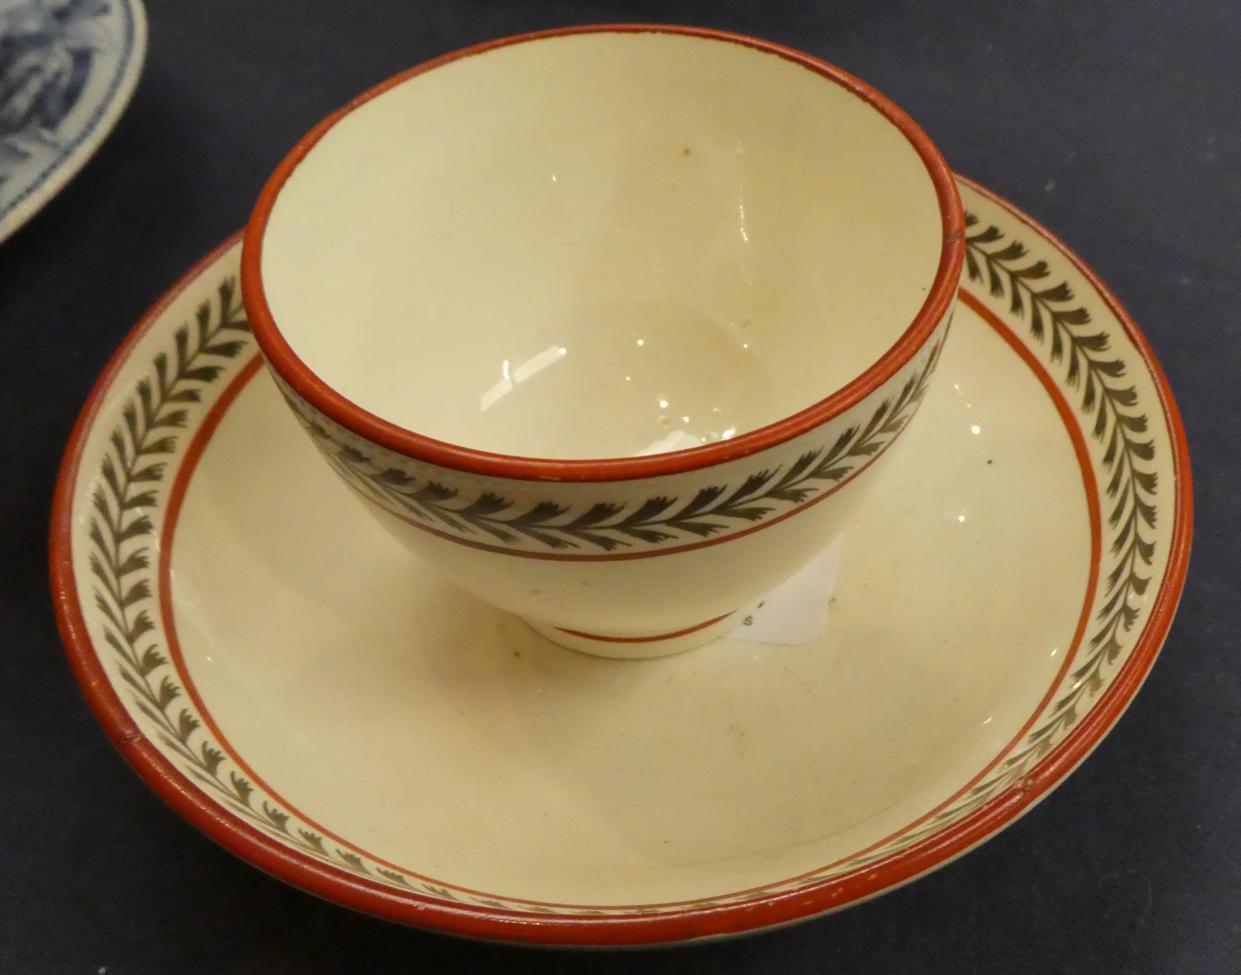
pixel 131 477
pixel 1108 403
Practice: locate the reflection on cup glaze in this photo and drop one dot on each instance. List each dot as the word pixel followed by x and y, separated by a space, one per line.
pixel 633 379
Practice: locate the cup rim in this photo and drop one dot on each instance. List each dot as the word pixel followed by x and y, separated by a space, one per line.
pixel 391 436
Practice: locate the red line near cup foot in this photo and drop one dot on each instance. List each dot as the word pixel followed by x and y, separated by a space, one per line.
pixel 646 639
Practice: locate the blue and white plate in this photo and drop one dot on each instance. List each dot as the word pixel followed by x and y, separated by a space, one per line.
pixel 67 70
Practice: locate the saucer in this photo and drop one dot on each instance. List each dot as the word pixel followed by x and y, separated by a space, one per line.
pixel 67 71
pixel 296 686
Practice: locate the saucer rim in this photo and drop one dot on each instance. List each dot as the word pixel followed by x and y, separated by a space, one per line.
pixel 323 397
pixel 498 924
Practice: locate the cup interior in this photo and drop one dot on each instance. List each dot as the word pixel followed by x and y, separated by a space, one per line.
pixel 603 244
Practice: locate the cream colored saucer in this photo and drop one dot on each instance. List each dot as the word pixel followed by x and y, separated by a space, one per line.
pixel 292 683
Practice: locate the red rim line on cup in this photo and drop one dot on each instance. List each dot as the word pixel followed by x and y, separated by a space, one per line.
pixel 350 415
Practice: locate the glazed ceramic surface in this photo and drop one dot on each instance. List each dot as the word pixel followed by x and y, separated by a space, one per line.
pixel 67 70
pixel 388 742
pixel 639 242
pixel 643 242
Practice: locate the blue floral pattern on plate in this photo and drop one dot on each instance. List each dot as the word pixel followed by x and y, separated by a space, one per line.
pixel 67 69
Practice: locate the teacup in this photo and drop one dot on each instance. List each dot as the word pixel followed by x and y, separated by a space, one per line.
pixel 609 325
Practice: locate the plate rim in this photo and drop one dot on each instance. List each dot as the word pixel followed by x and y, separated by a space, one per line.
pixel 58 174
pixel 584 929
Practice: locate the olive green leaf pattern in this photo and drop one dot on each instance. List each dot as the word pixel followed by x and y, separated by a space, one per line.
pixel 607 526
pixel 1119 424
pixel 1110 403
pixel 121 530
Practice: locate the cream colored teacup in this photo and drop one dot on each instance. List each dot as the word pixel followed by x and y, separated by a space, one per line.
pixel 608 325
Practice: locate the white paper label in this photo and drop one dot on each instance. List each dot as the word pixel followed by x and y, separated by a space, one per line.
pixel 796 611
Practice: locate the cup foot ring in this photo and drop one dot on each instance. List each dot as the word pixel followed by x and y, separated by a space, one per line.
pixel 631 646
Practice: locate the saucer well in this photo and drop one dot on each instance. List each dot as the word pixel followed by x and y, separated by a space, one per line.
pixel 67 71
pixel 291 682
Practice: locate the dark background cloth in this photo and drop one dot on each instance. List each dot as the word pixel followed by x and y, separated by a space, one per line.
pixel 1118 124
